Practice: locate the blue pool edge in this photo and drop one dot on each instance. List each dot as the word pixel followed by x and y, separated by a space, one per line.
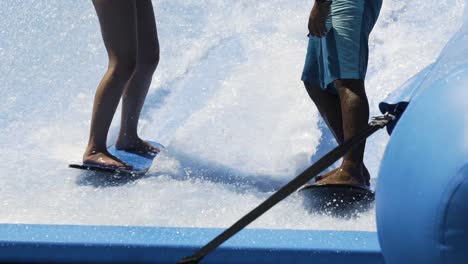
pixel 21 243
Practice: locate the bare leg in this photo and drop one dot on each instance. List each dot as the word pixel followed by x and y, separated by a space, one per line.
pixel 355 113
pixel 137 89
pixel 118 27
pixel 329 106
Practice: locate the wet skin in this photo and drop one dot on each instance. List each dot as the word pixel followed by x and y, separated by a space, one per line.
pixel 317 19
pixel 364 172
pixel 130 36
pixel 346 114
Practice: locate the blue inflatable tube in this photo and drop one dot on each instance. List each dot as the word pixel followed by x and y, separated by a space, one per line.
pixel 422 190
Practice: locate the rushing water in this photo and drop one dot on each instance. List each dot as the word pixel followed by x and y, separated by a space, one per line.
pixel 226 101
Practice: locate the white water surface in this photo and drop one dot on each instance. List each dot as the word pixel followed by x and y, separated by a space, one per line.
pixel 226 101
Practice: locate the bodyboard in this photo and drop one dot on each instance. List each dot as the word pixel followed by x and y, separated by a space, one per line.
pixel 337 200
pixel 141 162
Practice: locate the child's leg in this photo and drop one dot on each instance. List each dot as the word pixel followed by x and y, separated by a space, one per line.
pixel 118 27
pixel 137 89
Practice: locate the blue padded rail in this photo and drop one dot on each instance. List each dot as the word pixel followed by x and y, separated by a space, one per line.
pixel 112 244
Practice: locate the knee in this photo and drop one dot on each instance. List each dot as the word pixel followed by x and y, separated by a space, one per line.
pixel 350 87
pixel 123 66
pixel 352 84
pixel 148 61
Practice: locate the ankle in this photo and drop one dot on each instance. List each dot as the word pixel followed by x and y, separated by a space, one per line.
pixel 351 165
pixel 128 136
pixel 95 149
pixel 356 170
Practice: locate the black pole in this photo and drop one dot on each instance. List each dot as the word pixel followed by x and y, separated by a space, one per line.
pixel 325 162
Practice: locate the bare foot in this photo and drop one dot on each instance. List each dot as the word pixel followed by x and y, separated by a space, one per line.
pixel 345 175
pixel 365 172
pixel 105 159
pixel 136 145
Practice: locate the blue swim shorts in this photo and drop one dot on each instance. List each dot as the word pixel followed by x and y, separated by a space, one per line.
pixel 343 52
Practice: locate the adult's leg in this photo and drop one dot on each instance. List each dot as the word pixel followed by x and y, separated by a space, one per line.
pixel 137 89
pixel 355 113
pixel 329 106
pixel 118 27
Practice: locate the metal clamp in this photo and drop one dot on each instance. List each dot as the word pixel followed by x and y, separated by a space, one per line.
pixel 382 121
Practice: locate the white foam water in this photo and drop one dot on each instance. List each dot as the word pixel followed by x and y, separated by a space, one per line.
pixel 226 100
